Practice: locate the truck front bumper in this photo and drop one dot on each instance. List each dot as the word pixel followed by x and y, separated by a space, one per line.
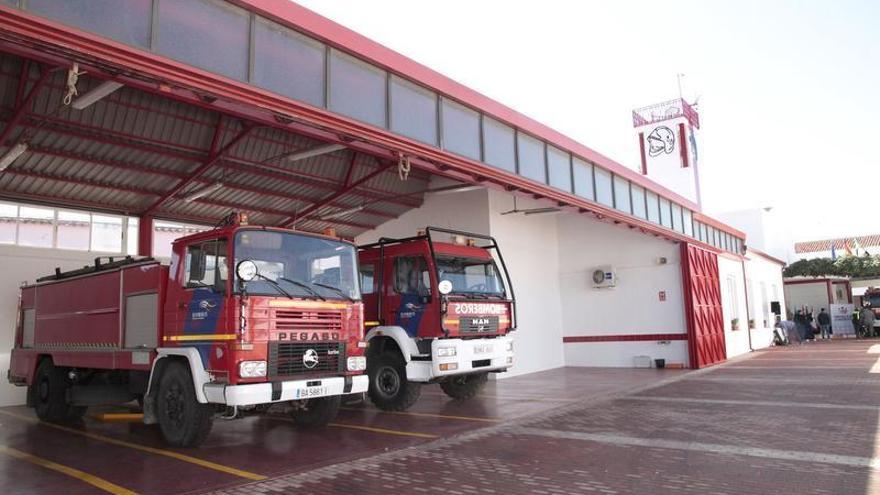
pixel 470 356
pixel 267 393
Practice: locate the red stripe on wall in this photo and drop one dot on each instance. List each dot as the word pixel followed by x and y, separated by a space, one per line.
pixel 648 337
pixel 683 148
pixel 642 152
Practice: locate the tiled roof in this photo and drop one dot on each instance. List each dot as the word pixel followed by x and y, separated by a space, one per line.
pixel 839 244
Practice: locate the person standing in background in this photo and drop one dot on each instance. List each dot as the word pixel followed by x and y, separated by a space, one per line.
pixel 824 320
pixel 800 322
pixel 866 319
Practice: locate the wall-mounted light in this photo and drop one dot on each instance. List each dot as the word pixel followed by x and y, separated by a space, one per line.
pixel 342 213
pixel 199 193
pixel 95 94
pixel 316 151
pixel 11 155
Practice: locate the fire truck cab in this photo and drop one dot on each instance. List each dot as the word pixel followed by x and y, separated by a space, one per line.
pixel 436 312
pixel 243 317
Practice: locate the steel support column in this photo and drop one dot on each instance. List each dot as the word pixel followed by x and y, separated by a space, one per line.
pixel 145 235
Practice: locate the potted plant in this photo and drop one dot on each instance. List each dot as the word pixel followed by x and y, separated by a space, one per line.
pixel 734 324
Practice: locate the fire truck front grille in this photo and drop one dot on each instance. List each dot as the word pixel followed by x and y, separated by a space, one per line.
pixel 478 324
pixel 296 320
pixel 292 358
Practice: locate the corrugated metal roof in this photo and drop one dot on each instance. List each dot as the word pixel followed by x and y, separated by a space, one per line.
pixel 131 148
pixel 839 244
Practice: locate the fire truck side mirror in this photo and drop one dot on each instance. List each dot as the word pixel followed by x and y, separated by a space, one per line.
pixel 444 287
pixel 247 270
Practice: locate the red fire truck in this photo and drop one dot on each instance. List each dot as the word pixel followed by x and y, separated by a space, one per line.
pixel 242 318
pixel 872 297
pixel 437 312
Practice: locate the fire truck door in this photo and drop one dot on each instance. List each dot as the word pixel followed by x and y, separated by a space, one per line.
pixel 408 296
pixel 201 310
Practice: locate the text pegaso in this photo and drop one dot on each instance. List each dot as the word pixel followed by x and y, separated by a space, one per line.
pixel 479 309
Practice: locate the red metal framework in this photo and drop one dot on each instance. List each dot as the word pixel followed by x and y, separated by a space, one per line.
pixel 666 110
pixel 47 42
pixel 702 296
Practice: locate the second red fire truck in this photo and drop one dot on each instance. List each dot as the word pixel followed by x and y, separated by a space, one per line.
pixel 437 311
pixel 242 318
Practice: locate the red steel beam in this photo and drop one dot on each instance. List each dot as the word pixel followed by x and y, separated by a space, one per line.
pixel 247 166
pixel 215 156
pixel 345 189
pixel 147 192
pixel 24 106
pixel 126 166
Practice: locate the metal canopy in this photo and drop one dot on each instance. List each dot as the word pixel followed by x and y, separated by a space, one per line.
pixel 136 153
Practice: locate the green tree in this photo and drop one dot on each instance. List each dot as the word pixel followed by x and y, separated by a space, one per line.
pixel 847 266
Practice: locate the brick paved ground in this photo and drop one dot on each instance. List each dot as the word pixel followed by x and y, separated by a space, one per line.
pixel 795 420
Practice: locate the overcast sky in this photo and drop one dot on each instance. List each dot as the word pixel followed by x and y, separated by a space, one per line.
pixel 788 90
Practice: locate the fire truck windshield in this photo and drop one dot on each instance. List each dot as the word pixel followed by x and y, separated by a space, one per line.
pixel 302 265
pixel 470 276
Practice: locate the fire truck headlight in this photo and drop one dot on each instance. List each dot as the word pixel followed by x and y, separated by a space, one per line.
pixel 252 369
pixel 357 363
pixel 446 352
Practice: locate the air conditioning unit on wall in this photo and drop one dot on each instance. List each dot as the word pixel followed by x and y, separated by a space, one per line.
pixel 603 277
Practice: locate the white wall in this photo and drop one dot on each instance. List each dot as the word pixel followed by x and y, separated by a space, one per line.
pixel 767 231
pixel 733 302
pixel 666 168
pixel 812 294
pixel 18 264
pixel 760 270
pixel 528 244
pixel 632 307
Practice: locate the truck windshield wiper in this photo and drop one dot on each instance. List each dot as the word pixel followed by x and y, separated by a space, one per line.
pixel 275 284
pixel 304 286
pixel 334 289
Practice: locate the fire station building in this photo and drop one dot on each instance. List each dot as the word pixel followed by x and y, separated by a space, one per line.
pixel 124 128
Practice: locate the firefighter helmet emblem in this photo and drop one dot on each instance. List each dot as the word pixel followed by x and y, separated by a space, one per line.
pixel 206 304
pixel 310 358
pixel 661 140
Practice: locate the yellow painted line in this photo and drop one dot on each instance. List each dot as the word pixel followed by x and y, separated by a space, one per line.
pixel 91 479
pixel 364 428
pixel 384 431
pixel 508 397
pixel 187 338
pixel 119 417
pixel 425 415
pixel 143 448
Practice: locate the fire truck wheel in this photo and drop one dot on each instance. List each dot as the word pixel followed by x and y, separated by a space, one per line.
pixel 183 420
pixel 464 387
pixel 389 389
pixel 317 412
pixel 50 395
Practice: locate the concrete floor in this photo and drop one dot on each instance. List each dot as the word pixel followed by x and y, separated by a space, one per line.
pixel 794 420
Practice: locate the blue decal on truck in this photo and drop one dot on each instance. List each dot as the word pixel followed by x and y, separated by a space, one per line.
pixel 409 314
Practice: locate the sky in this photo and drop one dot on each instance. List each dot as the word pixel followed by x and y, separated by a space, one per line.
pixel 788 91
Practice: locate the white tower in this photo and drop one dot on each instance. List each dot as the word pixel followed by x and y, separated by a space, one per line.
pixel 667 135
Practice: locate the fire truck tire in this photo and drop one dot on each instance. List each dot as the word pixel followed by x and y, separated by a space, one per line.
pixel 183 420
pixel 50 395
pixel 464 387
pixel 317 412
pixel 389 389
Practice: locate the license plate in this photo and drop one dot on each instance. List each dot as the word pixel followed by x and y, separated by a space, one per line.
pixel 310 392
pixel 483 349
